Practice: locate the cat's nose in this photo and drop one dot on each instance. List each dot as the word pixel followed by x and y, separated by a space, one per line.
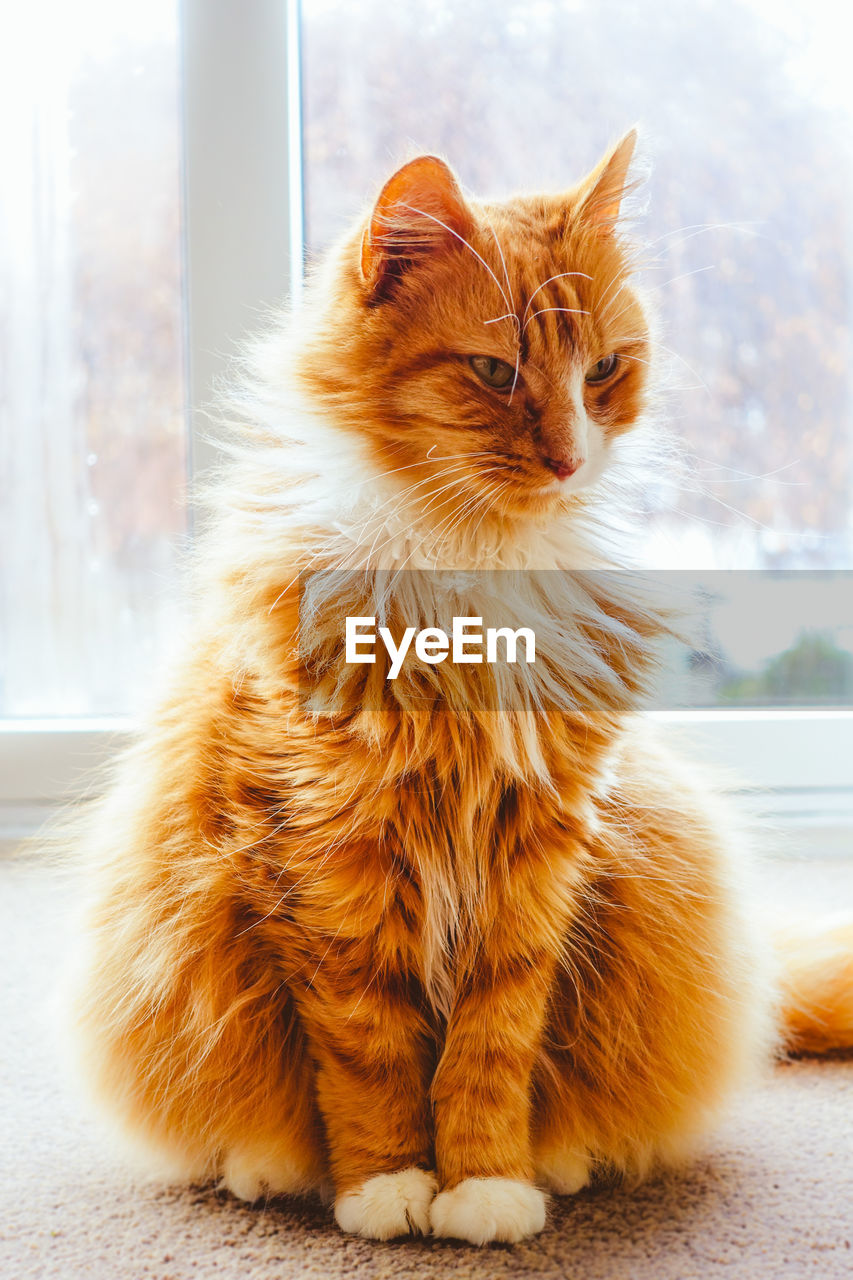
pixel 563 467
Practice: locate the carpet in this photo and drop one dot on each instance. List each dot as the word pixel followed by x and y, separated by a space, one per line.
pixel 771 1197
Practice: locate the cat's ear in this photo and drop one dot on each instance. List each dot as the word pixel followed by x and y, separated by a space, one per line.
pixel 420 212
pixel 602 191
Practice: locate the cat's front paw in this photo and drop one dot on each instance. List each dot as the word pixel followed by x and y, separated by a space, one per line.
pixel 484 1209
pixel 388 1205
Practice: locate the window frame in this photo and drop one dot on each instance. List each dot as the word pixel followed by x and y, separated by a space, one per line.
pixel 792 765
pixel 243 236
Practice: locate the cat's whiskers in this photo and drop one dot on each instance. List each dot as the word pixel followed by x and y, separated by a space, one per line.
pixel 609 317
pixel 345 545
pixel 433 475
pixel 488 500
pixel 516 371
pixel 748 477
pixel 398 496
pixel 462 470
pixel 431 533
pixel 342 546
pixel 699 228
pixel 677 356
pixel 508 315
pixel 613 319
pixel 702 491
pixel 401 500
pixel 624 355
pixel 691 517
pixel 508 303
pixel 513 309
pixel 525 320
pixel 449 524
pixel 600 302
pixel 573 311
pixel 428 457
pixel 560 275
pixel 466 514
pixel 683 275
pixel 660 346
pixel 406 534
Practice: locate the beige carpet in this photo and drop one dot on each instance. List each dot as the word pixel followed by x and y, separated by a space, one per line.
pixel 773 1197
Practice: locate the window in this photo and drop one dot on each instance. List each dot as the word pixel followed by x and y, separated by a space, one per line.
pixel 93 447
pixel 746 108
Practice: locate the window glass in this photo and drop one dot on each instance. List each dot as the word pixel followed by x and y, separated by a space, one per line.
pixel 745 107
pixel 93 439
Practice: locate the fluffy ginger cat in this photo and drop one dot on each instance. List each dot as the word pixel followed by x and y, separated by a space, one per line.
pixel 388 940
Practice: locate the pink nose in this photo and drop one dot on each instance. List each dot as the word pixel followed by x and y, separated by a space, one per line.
pixel 562 467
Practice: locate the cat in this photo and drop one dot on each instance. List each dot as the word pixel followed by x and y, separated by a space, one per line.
pixel 431 956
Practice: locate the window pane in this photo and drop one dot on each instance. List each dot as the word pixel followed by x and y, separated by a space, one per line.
pixel 93 447
pixel 761 638
pixel 746 107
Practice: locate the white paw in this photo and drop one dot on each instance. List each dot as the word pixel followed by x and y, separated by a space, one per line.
pixel 389 1205
pixel 563 1172
pixel 484 1209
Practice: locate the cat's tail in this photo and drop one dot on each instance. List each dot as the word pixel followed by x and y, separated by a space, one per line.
pixel 816 972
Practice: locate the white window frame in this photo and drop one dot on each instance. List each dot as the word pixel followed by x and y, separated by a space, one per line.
pixel 243 237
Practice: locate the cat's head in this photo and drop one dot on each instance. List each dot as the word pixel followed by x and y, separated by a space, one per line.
pixel 487 353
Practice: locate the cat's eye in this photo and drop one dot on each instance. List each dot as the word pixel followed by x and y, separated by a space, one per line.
pixel 602 369
pixel 495 373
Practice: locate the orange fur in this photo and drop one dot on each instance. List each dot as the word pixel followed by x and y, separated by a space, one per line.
pixel 470 932
pixel 816 964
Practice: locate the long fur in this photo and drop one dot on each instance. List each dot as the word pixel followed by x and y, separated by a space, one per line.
pixel 470 932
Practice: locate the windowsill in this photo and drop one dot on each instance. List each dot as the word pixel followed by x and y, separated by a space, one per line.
pixel 791 769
